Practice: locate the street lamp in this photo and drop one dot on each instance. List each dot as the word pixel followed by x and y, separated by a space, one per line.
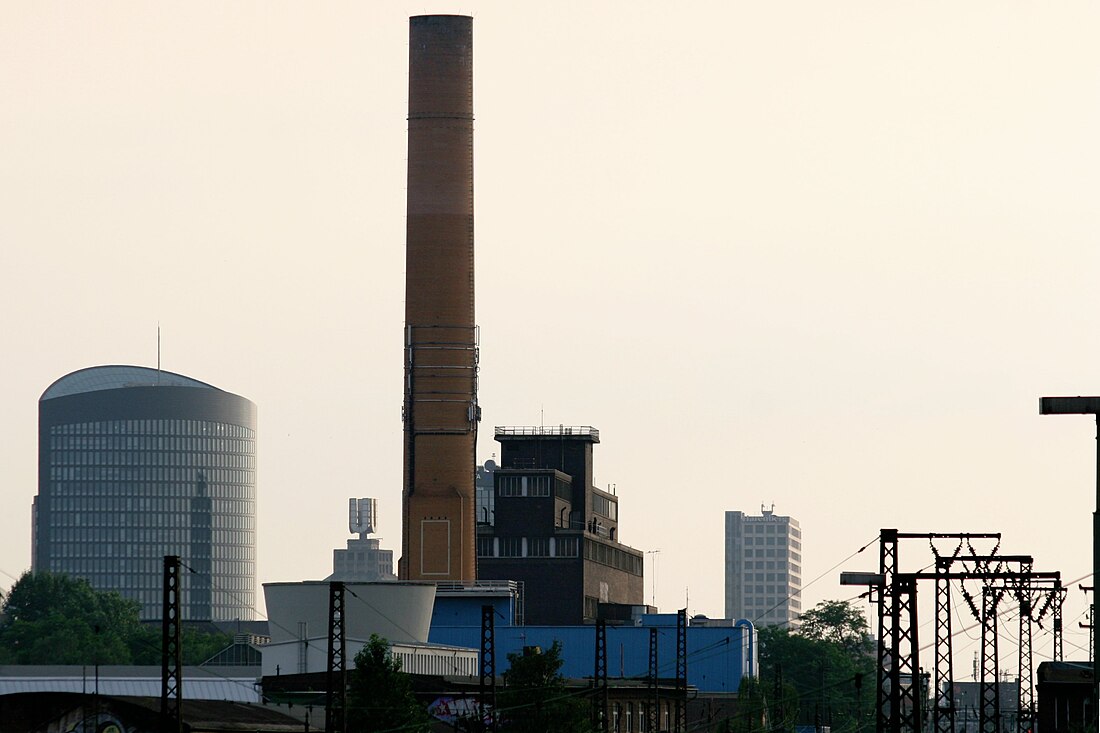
pixel 1085 406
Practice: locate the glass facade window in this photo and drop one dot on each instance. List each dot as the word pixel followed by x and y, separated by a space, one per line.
pixel 565 547
pixel 511 486
pixel 538 547
pixel 511 547
pixel 134 472
pixel 524 485
pixel 605 507
pixel 538 486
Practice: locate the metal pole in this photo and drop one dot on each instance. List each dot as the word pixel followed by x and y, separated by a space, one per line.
pixel 487 674
pixel 1085 406
pixel 336 678
pixel 171 681
pixel 1095 575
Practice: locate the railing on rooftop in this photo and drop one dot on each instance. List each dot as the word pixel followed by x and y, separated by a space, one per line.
pixel 478 585
pixel 552 430
pixel 590 527
pixel 515 587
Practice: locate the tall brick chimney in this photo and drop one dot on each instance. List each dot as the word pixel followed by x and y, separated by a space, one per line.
pixel 440 407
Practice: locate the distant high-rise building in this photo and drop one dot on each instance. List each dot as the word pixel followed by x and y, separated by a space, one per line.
pixel 137 463
pixel 543 522
pixel 364 559
pixel 763 568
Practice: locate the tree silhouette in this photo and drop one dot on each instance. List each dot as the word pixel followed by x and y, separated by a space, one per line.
pixel 380 695
pixel 535 698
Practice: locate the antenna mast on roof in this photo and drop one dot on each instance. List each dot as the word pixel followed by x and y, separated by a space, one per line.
pixel 158 353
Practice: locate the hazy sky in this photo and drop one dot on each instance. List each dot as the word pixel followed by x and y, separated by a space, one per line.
pixel 826 255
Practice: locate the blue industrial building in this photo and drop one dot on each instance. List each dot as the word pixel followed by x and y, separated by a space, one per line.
pixel 719 652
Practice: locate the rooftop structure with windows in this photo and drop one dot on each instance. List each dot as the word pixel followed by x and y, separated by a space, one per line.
pixel 543 522
pixel 363 559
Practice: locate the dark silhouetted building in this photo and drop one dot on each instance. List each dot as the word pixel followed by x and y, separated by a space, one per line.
pixel 546 525
pixel 137 463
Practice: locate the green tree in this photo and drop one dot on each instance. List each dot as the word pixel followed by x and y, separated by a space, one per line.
pixel 380 696
pixel 197 646
pixel 52 618
pixel 821 667
pixel 535 699
pixel 837 622
pixel 750 715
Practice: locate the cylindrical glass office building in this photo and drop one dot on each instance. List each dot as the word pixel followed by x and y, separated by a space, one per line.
pixel 137 463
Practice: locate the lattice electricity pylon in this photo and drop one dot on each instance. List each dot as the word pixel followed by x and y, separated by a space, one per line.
pixel 888 693
pixel 885 699
pixel 943 711
pixel 1052 604
pixel 1026 591
pixel 1086 589
pixel 1021 585
pixel 1091 626
pixel 681 671
pixel 907 698
pixel 654 684
pixel 999 581
pixel 897 614
pixel 171 659
pixel 990 699
pixel 1025 698
pixel 979 568
pixel 336 679
pixel 1059 596
pixel 599 677
pixel 487 682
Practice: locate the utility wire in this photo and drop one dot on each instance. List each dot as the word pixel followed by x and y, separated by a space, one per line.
pixel 1005 610
pixel 819 577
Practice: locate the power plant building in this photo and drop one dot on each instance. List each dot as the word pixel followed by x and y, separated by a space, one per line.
pixel 440 410
pixel 546 525
pixel 137 463
pixel 763 568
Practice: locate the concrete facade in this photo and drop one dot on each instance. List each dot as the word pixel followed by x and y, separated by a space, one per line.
pixel 399 612
pixel 763 568
pixel 363 559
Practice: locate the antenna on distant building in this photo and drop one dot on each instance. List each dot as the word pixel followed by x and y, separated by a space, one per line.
pixel 158 352
pixel 361 516
pixel 653 585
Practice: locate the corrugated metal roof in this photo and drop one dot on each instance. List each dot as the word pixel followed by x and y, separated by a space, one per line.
pixel 240 689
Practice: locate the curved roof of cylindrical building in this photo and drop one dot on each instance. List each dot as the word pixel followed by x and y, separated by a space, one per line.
pixel 94 379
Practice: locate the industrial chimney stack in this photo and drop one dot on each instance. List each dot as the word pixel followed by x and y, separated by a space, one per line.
pixel 440 408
